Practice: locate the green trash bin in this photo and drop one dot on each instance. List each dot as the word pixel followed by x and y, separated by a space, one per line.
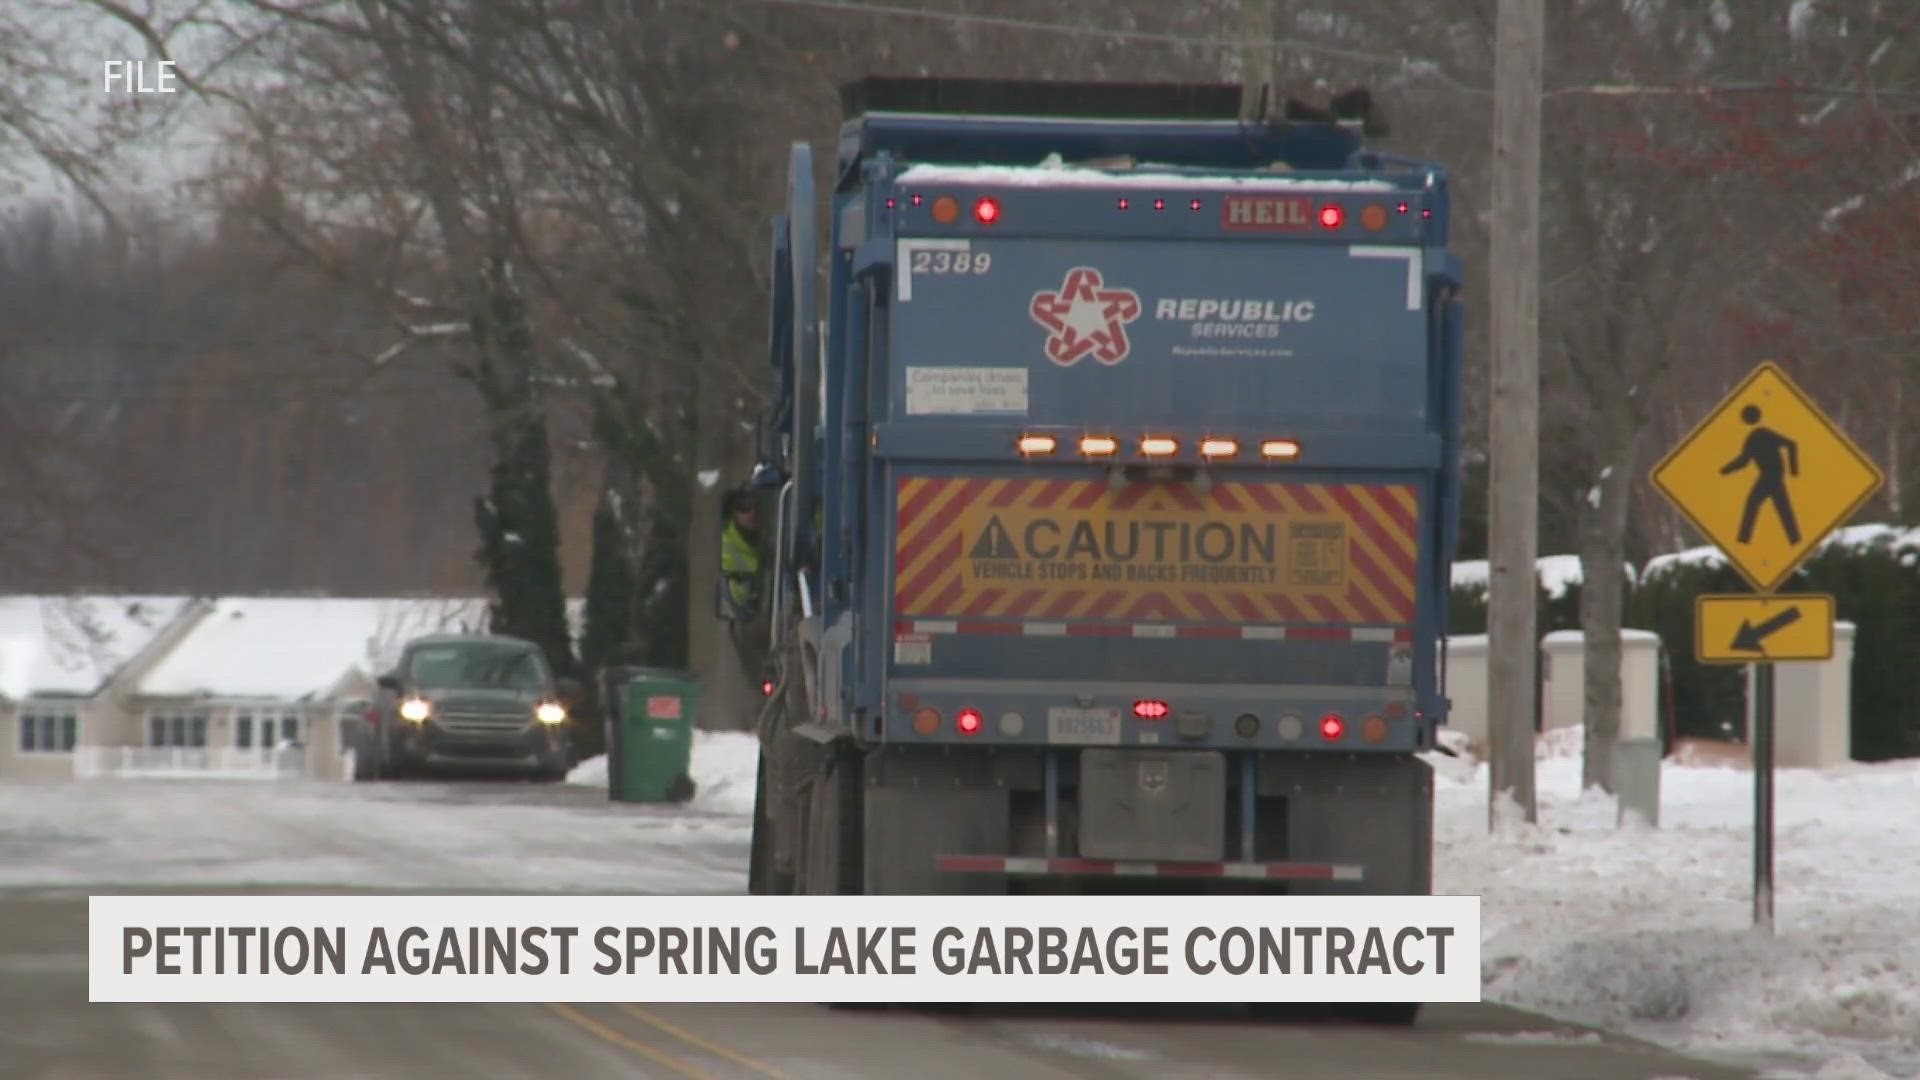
pixel 653 750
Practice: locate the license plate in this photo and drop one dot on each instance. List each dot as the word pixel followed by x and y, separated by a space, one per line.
pixel 1100 727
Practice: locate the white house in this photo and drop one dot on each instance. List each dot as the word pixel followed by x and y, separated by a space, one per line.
pixel 238 686
pixel 61 660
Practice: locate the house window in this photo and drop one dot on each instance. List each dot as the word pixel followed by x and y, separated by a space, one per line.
pixel 177 729
pixel 48 729
pixel 290 726
pixel 243 731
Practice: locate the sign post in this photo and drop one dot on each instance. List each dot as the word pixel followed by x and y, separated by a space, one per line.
pixel 1765 477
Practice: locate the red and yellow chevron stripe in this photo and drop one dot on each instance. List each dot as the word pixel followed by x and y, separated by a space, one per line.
pixel 1016 548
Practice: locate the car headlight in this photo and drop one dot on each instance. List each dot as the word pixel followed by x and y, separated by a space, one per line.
pixel 549 713
pixel 415 709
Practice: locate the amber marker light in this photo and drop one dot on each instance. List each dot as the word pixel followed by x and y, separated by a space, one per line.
pixel 1159 446
pixel 1279 449
pixel 1037 444
pixel 1099 445
pixel 1218 448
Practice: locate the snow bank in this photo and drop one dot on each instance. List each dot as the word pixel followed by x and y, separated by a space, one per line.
pixel 725 765
pixel 1662 946
pixel 1556 573
pixel 590 773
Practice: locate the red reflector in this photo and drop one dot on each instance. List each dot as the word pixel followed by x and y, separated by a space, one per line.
pixel 1332 727
pixel 1150 710
pixel 1331 216
pixel 968 722
pixel 987 211
pixel 766 688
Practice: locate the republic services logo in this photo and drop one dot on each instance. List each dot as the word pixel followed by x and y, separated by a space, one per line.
pixel 1084 317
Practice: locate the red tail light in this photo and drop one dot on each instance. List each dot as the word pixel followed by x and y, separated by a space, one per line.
pixel 1150 710
pixel 1332 727
pixel 968 722
pixel 766 688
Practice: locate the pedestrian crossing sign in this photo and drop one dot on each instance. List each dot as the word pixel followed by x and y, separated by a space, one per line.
pixel 1766 476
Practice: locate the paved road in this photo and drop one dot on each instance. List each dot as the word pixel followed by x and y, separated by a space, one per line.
pixel 49 1032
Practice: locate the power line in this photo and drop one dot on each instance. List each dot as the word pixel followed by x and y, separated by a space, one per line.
pixel 1407 64
pixel 1009 22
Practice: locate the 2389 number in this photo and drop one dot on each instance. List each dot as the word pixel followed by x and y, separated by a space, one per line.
pixel 951 262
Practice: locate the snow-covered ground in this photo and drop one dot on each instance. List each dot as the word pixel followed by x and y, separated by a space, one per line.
pixel 1649 930
pixel 504 836
pixel 1635 929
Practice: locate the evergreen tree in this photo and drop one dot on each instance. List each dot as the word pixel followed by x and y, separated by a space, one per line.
pixel 520 548
pixel 610 590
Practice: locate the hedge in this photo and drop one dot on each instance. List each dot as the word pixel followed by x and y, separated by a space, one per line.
pixel 1873 574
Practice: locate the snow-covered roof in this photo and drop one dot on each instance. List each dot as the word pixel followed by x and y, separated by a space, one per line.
pixel 74 644
pixel 1037 176
pixel 292 648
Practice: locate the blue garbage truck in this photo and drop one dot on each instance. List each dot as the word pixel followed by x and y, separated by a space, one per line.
pixel 1113 469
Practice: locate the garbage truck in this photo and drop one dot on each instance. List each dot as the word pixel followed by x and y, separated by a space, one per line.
pixel 1113 469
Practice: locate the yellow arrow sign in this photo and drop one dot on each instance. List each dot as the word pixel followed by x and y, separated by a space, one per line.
pixel 1742 629
pixel 1766 476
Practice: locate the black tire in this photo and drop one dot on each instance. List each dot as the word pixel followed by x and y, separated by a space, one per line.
pixel 760 875
pixel 1373 1014
pixel 1388 1013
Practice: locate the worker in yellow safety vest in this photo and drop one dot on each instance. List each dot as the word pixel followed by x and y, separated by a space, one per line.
pixel 740 554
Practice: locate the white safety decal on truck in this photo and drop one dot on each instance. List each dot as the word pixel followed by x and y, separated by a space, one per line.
pixel 966 391
pixel 1400 666
pixel 916 649
pixel 1414 263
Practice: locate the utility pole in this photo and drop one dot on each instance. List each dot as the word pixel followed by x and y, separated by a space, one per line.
pixel 1256 55
pixel 1513 650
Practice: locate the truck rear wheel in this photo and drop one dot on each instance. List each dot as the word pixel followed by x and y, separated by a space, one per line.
pixel 763 878
pixel 1376 1014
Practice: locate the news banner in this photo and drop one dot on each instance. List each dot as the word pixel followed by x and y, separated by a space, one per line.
pixel 748 949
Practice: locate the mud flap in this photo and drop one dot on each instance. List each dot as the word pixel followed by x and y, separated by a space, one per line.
pixel 908 828
pixel 1374 810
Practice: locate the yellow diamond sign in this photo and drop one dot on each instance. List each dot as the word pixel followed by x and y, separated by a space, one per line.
pixel 1766 476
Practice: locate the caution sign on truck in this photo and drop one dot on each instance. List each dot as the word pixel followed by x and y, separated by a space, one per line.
pixel 1078 549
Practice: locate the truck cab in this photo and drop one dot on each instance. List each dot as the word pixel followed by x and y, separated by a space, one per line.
pixel 470 701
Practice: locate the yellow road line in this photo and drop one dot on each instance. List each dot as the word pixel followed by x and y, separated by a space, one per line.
pixel 645 1050
pixel 708 1045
